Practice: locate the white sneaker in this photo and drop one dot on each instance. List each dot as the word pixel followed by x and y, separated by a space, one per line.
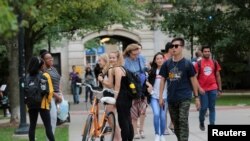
pixel 137 136
pixel 166 132
pixel 142 134
pixel 157 137
pixel 162 138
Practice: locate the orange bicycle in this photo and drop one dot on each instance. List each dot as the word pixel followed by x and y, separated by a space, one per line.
pixel 94 128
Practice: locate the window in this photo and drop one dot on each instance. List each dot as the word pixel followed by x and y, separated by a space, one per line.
pixel 91 60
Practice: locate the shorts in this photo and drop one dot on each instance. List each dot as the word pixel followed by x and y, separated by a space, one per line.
pixel 139 107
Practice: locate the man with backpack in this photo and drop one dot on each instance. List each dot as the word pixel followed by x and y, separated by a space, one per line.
pixel 181 80
pixel 208 75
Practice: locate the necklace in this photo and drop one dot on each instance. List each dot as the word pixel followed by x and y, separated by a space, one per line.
pixel 175 64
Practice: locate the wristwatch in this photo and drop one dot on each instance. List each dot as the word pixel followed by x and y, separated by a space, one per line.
pixel 196 96
pixel 220 91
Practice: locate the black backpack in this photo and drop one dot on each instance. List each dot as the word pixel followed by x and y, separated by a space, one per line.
pixel 35 88
pixel 133 85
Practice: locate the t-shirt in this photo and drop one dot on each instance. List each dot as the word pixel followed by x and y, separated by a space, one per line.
pixel 206 77
pixel 178 76
pixel 73 77
pixel 137 65
pixel 156 89
pixel 55 77
pixel 89 78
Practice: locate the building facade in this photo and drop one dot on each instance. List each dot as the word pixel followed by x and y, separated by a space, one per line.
pixel 73 52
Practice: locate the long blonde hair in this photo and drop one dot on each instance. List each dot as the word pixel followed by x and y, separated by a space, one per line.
pixel 119 58
pixel 105 57
pixel 130 48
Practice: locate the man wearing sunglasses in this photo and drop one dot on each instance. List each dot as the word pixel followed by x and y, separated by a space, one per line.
pixel 182 82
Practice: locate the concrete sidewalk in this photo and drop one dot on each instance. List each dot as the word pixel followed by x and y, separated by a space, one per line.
pixel 225 115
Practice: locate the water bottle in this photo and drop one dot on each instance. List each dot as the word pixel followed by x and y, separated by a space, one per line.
pixel 132 87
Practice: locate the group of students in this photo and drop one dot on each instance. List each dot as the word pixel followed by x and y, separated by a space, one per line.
pixel 171 82
pixel 48 109
pixel 131 112
pixel 185 80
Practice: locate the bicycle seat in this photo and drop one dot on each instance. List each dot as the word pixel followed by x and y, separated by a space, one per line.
pixel 108 100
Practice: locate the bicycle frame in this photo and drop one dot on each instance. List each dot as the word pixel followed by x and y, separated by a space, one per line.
pixel 96 131
pixel 96 128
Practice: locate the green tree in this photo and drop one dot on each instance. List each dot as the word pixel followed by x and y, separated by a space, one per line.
pixel 52 20
pixel 8 21
pixel 214 23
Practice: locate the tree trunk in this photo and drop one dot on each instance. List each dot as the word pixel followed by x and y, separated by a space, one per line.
pixel 13 79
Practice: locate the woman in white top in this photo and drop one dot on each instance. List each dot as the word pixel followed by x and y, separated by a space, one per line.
pixel 158 111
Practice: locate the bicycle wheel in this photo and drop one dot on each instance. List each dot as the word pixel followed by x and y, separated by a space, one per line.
pixel 108 128
pixel 86 133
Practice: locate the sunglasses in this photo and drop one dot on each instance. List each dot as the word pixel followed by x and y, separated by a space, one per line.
pixel 175 46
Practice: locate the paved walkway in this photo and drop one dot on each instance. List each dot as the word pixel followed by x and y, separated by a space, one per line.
pixel 225 115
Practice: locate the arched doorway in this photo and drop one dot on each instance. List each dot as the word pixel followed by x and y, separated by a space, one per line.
pixel 123 36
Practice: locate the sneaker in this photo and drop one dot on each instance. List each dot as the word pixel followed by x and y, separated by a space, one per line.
pixel 202 127
pixel 137 136
pixel 162 138
pixel 157 137
pixel 172 129
pixel 166 132
pixel 142 134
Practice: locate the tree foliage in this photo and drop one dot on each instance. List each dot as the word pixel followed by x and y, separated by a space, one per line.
pixel 8 21
pixel 224 25
pixel 52 20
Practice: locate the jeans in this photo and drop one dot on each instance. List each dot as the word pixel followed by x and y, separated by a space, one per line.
pixel 76 94
pixel 88 93
pixel 72 86
pixel 208 101
pixel 159 116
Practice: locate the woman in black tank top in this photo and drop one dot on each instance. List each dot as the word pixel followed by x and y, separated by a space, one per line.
pixel 123 102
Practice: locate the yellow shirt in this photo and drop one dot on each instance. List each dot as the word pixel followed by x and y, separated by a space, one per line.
pixel 47 99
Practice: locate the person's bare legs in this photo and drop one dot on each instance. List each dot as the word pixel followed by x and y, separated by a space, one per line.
pixel 117 136
pixel 136 133
pixel 171 126
pixel 141 129
pixel 166 132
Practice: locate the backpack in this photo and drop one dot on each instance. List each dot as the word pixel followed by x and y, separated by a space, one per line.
pixel 35 88
pixel 133 84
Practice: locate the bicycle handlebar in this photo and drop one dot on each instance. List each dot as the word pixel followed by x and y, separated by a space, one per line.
pixel 97 91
